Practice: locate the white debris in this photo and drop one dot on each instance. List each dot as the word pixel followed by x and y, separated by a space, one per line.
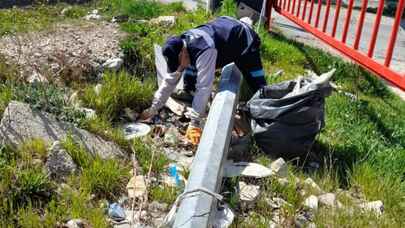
pixel 283 181
pixel 279 168
pixel 375 206
pixel 113 64
pixel 134 130
pixel 36 77
pixel 90 113
pixel 246 169
pixel 76 223
pixel 248 192
pixel 277 203
pixel 97 88
pixel 224 217
pixel 329 200
pixel 313 186
pixel 172 136
pixel 166 21
pixel 93 16
pixel 136 187
pixel 311 202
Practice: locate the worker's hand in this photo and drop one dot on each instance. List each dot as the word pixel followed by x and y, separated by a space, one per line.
pixel 148 113
pixel 193 134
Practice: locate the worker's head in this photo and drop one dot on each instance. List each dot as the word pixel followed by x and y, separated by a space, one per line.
pixel 171 51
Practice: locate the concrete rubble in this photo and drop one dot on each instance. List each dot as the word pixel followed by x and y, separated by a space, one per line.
pixel 279 168
pixel 248 192
pixel 376 207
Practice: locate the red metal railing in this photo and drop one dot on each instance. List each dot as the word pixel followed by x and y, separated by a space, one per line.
pixel 291 9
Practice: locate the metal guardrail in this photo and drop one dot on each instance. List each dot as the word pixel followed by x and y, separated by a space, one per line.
pixel 206 171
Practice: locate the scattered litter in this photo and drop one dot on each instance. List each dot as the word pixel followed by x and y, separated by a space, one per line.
pixel 166 21
pixel 246 169
pixel 113 64
pixel 134 130
pixel 136 187
pixel 171 136
pixel 248 192
pixel 224 217
pixel 181 159
pixel 174 173
pixel 97 88
pixel 174 179
pixel 90 113
pixel 76 223
pixel 375 206
pixel 93 16
pixel 279 168
pixel 311 202
pixel 116 212
pixel 158 131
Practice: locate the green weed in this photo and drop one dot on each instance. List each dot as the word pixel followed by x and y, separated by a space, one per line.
pixel 80 156
pixel 143 153
pixel 105 178
pixel 119 91
pixel 163 195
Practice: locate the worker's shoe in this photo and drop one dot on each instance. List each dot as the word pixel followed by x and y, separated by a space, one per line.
pixel 183 95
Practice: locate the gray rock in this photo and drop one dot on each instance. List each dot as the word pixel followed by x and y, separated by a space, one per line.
pixel 279 168
pixel 277 203
pixel 20 123
pixel 59 163
pixel 113 64
pixel 311 202
pixel 375 206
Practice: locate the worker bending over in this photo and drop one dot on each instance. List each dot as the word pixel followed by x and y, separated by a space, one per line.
pixel 198 52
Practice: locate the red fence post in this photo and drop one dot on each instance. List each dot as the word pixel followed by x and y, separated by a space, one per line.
pixel 337 12
pixel 347 21
pixel 318 13
pixel 376 27
pixel 325 20
pixel 360 24
pixel 394 32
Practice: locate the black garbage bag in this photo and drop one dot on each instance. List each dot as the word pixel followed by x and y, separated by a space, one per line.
pixel 286 117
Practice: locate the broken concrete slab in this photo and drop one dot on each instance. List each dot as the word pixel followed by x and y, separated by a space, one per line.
pixel 249 169
pixel 279 168
pixel 20 123
pixel 248 192
pixel 375 206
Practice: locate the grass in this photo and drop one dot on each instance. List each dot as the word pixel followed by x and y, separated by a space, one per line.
pixel 41 17
pixel 143 153
pixel 361 149
pixel 118 91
